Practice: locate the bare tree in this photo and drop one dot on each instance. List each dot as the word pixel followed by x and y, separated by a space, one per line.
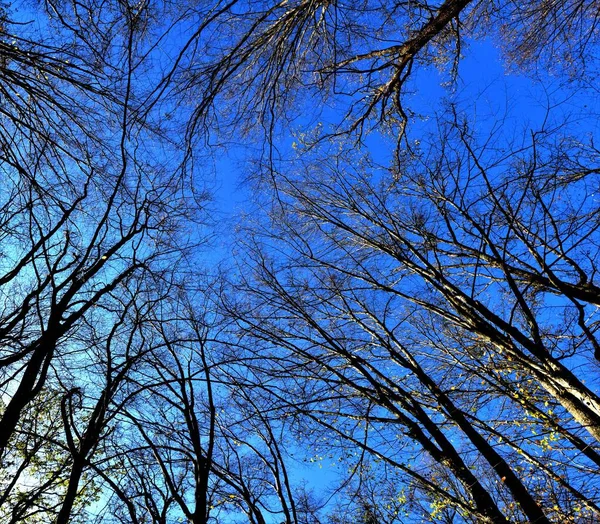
pixel 442 305
pixel 90 223
pixel 427 321
pixel 198 446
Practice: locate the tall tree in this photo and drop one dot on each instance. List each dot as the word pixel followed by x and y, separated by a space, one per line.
pixel 90 225
pixel 439 304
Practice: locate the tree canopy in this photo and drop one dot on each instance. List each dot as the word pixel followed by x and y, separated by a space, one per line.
pixel 399 322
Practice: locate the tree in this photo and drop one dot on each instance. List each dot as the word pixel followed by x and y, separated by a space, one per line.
pixel 431 305
pixel 91 224
pixel 104 401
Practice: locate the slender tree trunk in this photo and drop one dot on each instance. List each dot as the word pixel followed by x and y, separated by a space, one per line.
pixel 64 515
